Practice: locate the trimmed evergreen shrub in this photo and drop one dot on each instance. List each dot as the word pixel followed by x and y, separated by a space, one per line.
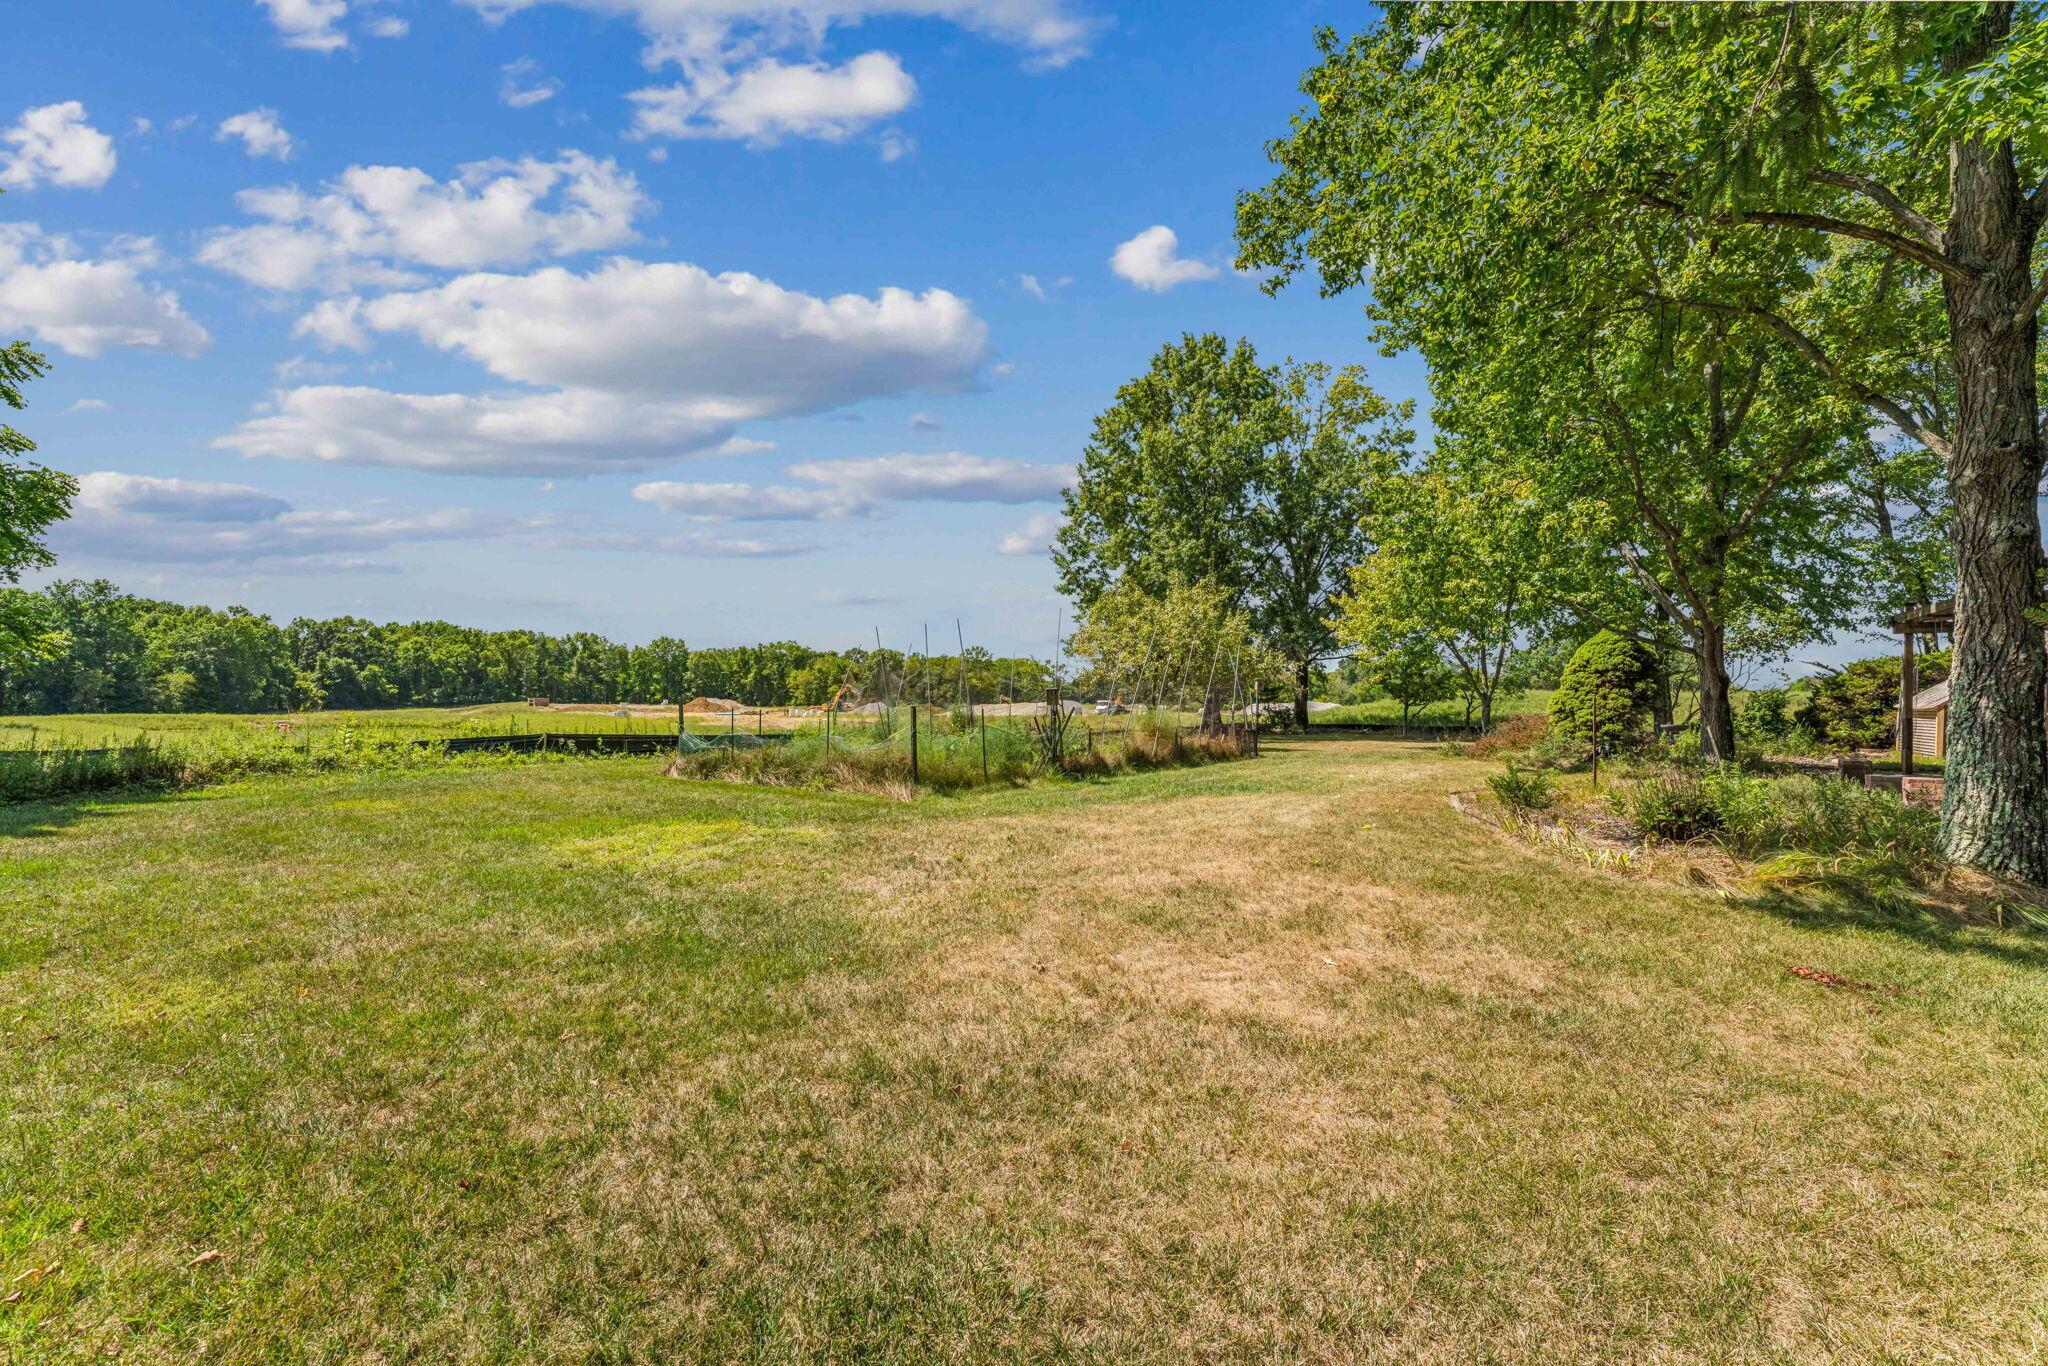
pixel 1614 678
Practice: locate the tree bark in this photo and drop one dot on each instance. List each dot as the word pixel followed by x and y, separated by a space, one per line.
pixel 1301 677
pixel 1995 801
pixel 1717 713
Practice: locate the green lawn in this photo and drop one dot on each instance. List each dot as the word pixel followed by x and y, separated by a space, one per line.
pixel 1276 1060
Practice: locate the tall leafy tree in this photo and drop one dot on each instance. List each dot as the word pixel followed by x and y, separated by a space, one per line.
pixel 1212 468
pixel 1862 176
pixel 1460 562
pixel 31 499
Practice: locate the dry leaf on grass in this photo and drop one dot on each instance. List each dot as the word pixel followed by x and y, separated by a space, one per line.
pixel 210 1255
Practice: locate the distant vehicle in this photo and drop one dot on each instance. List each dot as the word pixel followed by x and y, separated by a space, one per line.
pixel 1110 708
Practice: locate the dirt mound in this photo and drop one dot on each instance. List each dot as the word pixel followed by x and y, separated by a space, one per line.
pixel 712 704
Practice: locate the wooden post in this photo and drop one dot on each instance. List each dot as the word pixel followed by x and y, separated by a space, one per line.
pixel 1596 733
pixel 679 730
pixel 984 746
pixel 1907 687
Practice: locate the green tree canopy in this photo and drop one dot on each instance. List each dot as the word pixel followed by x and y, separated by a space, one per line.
pixel 1862 186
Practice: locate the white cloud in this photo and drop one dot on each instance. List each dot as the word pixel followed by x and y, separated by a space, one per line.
pixel 1050 32
pixel 259 133
pixel 736 344
pixel 925 422
pixel 522 84
pixel 770 100
pixel 52 144
pixel 751 69
pixel 750 503
pixel 85 306
pixel 371 223
pixel 860 488
pixel 1151 260
pixel 564 432
pixel 309 24
pixel 953 476
pixel 1034 537
pixel 387 26
pixel 639 362
pixel 143 518
pixel 88 405
pixel 147 519
pixel 1039 289
pixel 696 545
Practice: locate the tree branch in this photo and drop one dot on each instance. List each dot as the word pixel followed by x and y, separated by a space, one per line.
pixel 1882 195
pixel 2031 306
pixel 1910 248
pixel 2037 202
pixel 1905 420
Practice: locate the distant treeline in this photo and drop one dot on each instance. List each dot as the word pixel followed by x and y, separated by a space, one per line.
pixel 102 650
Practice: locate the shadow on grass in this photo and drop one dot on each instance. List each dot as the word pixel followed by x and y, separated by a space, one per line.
pixel 1931 926
pixel 46 816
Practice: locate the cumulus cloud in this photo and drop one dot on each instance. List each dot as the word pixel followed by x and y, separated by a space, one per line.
pixel 750 503
pixel 152 520
pixel 563 432
pixel 52 144
pixel 259 133
pixel 310 24
pixel 372 225
pixel 88 405
pixel 522 84
pixel 639 362
pixel 146 519
pixel 740 345
pixel 860 488
pixel 1152 260
pixel 953 476
pixel 1034 537
pixel 1051 33
pixel 85 306
pixel 751 69
pixel 763 103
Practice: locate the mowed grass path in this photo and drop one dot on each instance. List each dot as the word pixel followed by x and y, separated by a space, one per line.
pixel 1276 1060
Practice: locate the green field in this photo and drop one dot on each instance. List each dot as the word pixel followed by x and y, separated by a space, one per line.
pixel 1273 1060
pixel 1385 711
pixel 496 718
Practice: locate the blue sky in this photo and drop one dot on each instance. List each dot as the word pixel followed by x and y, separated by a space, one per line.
pixel 730 319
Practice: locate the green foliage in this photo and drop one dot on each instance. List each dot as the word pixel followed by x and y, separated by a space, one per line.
pixel 1522 789
pixel 31 499
pixel 1459 563
pixel 1213 468
pixel 1758 815
pixel 107 651
pixel 1857 707
pixel 1677 808
pixel 1146 647
pixel 1612 679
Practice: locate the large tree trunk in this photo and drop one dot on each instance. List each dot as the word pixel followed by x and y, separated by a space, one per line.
pixel 1301 677
pixel 1995 806
pixel 1717 712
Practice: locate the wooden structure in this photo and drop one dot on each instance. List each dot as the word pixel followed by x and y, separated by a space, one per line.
pixel 1933 619
pixel 1923 715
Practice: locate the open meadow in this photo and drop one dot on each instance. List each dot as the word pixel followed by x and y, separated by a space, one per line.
pixel 1279 1059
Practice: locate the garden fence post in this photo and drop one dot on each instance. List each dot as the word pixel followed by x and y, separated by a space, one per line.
pixel 913 744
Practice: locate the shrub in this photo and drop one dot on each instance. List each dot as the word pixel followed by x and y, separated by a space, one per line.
pixel 1676 807
pixel 1512 735
pixel 1858 707
pixel 1755 816
pixel 1522 790
pixel 1613 678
